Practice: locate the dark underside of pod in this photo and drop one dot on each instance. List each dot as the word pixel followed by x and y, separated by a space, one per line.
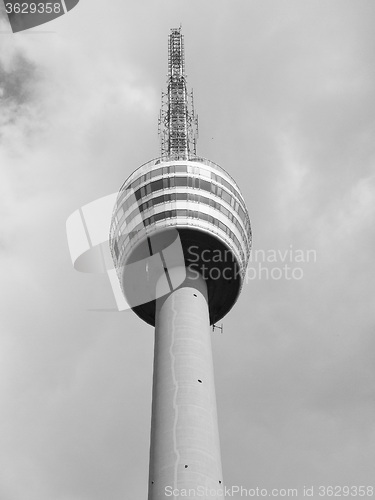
pixel 193 248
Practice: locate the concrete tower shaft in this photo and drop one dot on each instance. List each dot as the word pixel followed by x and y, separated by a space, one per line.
pixel 185 446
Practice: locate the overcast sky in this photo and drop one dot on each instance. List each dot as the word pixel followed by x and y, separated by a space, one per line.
pixel 285 96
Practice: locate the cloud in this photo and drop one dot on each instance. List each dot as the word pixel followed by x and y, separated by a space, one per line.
pixel 285 98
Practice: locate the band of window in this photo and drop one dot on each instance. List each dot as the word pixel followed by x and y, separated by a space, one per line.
pixel 173 169
pixel 171 197
pixel 190 182
pixel 170 214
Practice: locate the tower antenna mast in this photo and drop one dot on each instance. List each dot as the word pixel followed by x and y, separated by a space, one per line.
pixel 178 124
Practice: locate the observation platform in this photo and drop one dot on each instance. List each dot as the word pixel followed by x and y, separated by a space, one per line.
pixel 193 203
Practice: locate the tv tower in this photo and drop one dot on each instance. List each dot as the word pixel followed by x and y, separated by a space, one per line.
pixel 180 240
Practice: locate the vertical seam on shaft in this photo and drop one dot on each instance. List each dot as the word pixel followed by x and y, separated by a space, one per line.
pixel 175 407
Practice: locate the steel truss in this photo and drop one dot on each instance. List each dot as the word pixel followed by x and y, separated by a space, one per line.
pixel 178 124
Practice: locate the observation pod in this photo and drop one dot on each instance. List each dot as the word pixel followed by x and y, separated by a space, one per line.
pixel 180 213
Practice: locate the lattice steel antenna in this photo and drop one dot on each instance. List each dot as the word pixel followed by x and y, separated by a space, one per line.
pixel 178 124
